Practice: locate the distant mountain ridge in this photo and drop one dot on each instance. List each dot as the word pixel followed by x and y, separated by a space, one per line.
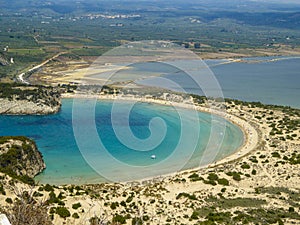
pixel 274 13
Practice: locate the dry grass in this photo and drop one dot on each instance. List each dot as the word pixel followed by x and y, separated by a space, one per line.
pixel 27 211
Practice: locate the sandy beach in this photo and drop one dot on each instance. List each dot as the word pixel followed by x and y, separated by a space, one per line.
pixel 260 181
pixel 250 133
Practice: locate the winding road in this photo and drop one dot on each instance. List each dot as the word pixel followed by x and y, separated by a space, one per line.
pixel 21 78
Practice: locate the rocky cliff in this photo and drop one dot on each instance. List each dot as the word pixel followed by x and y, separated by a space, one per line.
pixel 19 157
pixel 22 99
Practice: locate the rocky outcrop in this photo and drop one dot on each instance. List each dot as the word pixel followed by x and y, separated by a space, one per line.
pixel 3 61
pixel 25 107
pixel 20 157
pixel 25 100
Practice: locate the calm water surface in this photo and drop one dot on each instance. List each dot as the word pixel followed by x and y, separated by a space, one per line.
pixel 270 82
pixel 55 139
pixel 275 82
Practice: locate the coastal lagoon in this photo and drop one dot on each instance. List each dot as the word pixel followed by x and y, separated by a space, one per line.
pixel 273 80
pixel 55 138
pixel 270 80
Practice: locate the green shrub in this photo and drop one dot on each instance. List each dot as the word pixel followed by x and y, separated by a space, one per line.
pixel 245 166
pixel 26 179
pixel 60 196
pixel 63 212
pixel 253 159
pixel 295 159
pixel 76 205
pixel 212 176
pixel 123 203
pixel 275 154
pixel 220 217
pixel 195 215
pixel 146 218
pixel 195 177
pixel 186 195
pixel 40 188
pixel 78 188
pixel 119 219
pixel 236 176
pixel 75 215
pixel 129 199
pixel 211 182
pixel 53 199
pixel 114 205
pixel 223 181
pixel 48 188
pixel 9 200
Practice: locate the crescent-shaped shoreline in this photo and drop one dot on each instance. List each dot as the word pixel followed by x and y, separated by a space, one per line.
pixel 251 137
pixel 262 173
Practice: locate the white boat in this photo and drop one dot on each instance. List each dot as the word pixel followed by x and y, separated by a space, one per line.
pixel 153 156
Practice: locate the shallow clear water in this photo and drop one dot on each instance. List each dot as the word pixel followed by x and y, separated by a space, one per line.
pixel 55 138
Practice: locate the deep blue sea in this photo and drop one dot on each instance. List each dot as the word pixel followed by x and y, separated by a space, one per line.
pixel 76 138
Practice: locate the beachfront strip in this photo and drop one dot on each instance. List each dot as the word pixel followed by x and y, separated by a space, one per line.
pixel 258 184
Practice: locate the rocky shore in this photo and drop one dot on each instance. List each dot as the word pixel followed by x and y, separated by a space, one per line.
pixel 28 100
pixel 20 157
pixel 27 107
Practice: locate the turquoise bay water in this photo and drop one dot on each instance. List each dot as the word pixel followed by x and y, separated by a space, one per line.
pixel 55 138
